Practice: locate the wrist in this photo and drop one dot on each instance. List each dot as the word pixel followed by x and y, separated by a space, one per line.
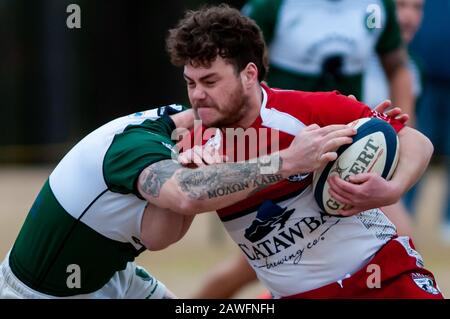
pixel 271 164
pixel 286 168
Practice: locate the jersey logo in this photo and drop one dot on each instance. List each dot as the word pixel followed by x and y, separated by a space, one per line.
pixel 298 178
pixel 425 283
pixel 148 114
pixel 169 109
pixel 269 215
pixel 138 242
pixel 141 273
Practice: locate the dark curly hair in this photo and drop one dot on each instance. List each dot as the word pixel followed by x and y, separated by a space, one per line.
pixel 218 30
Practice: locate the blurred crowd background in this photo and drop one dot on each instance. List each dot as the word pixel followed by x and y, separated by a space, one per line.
pixel 58 84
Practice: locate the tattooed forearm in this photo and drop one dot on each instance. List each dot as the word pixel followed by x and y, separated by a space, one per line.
pixel 154 176
pixel 215 181
pixel 225 179
pixel 266 180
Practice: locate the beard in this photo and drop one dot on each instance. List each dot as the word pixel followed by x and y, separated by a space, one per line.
pixel 232 111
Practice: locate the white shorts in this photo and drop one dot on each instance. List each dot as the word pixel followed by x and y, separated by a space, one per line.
pixel 131 283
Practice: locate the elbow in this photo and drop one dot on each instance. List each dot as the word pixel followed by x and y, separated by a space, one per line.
pixel 422 143
pixel 429 147
pixel 155 245
pixel 426 146
pixel 185 205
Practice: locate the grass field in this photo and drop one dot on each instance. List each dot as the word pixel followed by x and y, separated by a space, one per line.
pixel 182 266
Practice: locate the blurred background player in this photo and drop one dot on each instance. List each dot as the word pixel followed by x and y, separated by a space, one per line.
pixel 327 44
pixel 226 279
pixel 376 85
pixel 432 47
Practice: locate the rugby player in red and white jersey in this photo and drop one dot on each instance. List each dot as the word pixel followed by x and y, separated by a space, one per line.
pixel 296 249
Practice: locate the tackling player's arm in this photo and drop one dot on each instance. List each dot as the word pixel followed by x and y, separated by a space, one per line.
pixel 190 191
pixel 175 194
pixel 162 227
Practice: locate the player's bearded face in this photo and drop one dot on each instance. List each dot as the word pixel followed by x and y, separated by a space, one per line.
pixel 224 111
pixel 216 94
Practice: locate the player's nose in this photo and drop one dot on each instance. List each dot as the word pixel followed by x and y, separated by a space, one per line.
pixel 198 93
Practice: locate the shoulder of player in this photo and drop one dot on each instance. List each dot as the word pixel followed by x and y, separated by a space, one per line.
pixel 157 128
pixel 322 108
pixel 148 136
pixel 293 101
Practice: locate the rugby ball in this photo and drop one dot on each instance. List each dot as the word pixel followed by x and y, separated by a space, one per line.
pixel 374 149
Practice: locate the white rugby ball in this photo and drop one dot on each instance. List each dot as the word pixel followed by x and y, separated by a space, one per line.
pixel 374 149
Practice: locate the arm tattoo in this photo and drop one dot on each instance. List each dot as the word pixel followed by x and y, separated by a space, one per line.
pixel 224 179
pixel 266 181
pixel 154 176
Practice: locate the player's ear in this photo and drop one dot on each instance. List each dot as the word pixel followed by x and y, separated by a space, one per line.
pixel 249 75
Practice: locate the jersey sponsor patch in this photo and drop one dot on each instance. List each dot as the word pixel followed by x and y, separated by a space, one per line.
pixel 425 283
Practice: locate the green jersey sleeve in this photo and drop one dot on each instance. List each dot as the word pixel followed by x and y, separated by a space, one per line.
pixel 390 38
pixel 265 13
pixel 137 147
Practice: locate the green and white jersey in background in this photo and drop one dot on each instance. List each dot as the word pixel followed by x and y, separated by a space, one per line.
pixel 322 45
pixel 376 84
pixel 89 211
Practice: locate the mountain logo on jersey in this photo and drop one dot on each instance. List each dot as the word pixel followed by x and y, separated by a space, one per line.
pixel 268 217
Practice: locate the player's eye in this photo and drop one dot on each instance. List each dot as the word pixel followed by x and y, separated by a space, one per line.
pixel 210 83
pixel 190 84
